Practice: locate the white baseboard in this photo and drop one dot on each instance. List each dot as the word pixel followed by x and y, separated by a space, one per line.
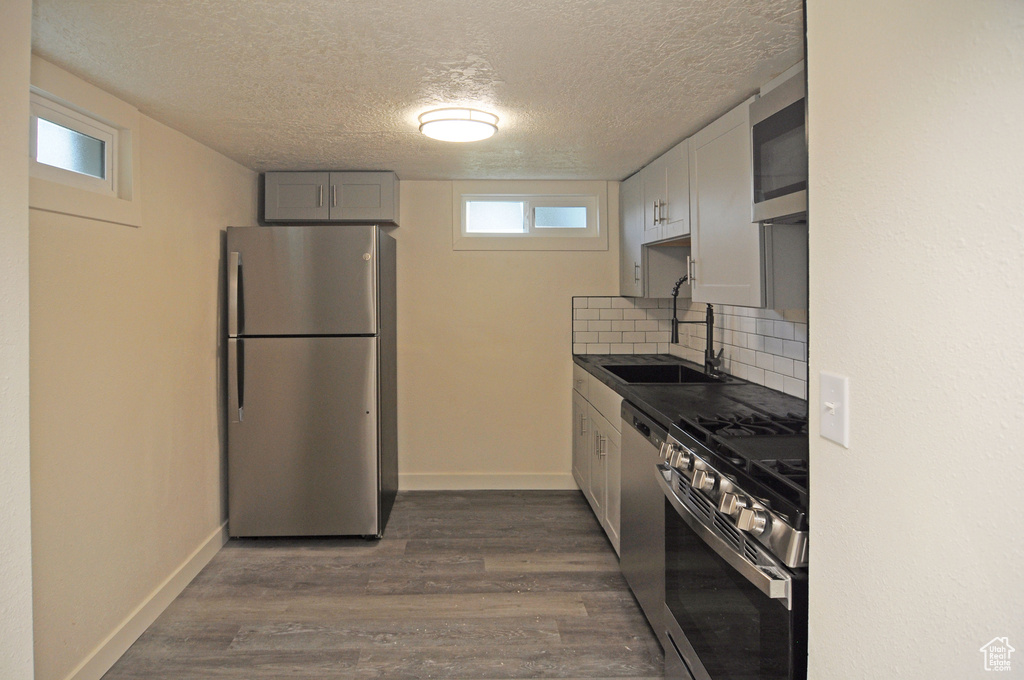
pixel 459 481
pixel 128 631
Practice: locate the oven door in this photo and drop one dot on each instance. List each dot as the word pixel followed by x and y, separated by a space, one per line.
pixel 730 614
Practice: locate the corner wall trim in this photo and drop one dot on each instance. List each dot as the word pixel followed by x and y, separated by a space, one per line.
pixel 128 631
pixel 465 481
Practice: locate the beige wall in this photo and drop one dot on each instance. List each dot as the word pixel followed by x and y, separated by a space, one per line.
pixel 15 530
pixel 484 352
pixel 127 443
pixel 917 273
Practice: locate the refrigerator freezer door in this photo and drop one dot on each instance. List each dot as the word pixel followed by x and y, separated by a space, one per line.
pixel 302 280
pixel 303 457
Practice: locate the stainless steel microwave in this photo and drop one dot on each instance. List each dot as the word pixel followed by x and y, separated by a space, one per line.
pixel 779 149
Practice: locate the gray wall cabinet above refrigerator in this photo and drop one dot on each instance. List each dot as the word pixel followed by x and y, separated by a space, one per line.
pixel 331 197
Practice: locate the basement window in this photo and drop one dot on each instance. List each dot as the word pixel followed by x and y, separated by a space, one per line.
pixel 71 147
pixel 503 220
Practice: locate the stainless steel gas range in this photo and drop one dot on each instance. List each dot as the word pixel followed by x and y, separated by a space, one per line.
pixel 736 546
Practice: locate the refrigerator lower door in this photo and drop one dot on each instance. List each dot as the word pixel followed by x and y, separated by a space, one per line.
pixel 302 437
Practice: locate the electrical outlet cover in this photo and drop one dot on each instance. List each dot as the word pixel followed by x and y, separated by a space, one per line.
pixel 834 408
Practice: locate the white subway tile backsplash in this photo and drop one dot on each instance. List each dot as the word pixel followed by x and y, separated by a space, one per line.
pixel 784 330
pixel 794 350
pixel 800 370
pixel 794 387
pixel 764 346
pixel 784 366
pixel 647 325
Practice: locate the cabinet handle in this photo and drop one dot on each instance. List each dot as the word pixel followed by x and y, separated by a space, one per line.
pixel 320 196
pixel 693 270
pixel 636 272
pixel 334 195
pixel 661 213
pixel 583 424
pixel 656 220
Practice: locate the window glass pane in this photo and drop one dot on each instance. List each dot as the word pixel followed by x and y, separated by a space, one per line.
pixel 495 217
pixel 64 148
pixel 560 217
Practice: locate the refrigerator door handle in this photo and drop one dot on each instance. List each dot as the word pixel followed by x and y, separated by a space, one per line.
pixel 236 379
pixel 234 291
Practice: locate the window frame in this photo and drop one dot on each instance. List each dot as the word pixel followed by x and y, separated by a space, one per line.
pixel 82 123
pixel 593 195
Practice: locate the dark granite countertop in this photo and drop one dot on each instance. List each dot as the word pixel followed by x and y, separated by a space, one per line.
pixel 669 403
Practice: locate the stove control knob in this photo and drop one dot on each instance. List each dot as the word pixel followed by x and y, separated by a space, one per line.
pixel 680 458
pixel 732 503
pixel 704 480
pixel 754 521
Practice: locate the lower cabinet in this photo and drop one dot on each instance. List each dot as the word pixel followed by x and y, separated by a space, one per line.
pixel 596 454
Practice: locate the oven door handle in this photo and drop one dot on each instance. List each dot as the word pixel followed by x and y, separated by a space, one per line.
pixel 775 588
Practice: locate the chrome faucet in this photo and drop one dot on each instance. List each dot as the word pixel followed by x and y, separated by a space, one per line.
pixel 711 361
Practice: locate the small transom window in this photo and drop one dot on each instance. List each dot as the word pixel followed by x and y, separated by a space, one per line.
pixel 72 148
pixel 536 221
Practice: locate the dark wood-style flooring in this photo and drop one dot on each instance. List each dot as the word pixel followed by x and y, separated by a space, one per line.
pixel 468 585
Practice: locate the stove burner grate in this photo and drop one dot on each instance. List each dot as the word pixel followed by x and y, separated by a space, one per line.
pixel 753 425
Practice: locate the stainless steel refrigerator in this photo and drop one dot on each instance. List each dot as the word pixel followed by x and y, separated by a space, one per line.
pixel 312 427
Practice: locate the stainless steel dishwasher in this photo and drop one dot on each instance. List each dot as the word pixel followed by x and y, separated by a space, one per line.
pixel 642 538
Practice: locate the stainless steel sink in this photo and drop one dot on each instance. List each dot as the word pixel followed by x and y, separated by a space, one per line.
pixel 660 374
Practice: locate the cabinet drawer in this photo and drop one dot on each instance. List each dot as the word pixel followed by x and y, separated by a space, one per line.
pixel 581 381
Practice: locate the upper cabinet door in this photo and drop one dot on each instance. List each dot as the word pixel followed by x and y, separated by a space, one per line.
pixel 364 197
pixel 653 177
pixel 631 232
pixel 296 196
pixel 676 214
pixel 726 245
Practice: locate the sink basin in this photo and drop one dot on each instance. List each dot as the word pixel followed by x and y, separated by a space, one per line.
pixel 660 373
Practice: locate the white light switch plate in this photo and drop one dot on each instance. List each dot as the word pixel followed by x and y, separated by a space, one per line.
pixel 834 408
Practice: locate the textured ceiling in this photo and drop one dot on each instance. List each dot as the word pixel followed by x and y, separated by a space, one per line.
pixel 585 89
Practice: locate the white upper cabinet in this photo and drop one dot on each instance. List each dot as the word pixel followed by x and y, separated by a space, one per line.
pixel 726 246
pixel 666 195
pixel 631 225
pixel 331 196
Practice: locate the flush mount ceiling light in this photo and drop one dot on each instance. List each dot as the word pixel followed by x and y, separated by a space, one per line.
pixel 457 124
